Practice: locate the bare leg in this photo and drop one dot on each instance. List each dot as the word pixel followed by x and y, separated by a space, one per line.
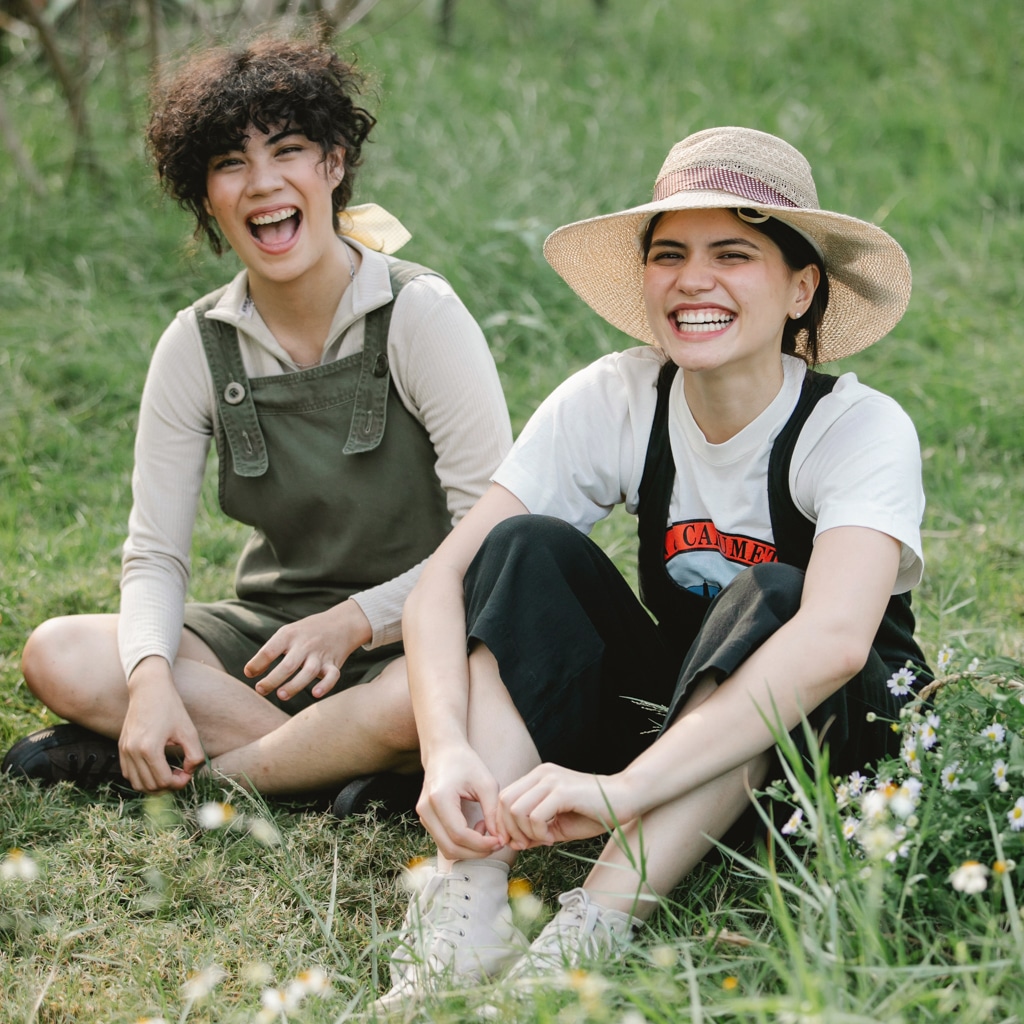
pixel 72 665
pixel 643 862
pixel 496 732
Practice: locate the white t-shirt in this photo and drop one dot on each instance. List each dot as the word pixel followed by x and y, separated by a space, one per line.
pixel 857 463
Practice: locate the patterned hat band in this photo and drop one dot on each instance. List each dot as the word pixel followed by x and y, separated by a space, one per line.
pixel 719 179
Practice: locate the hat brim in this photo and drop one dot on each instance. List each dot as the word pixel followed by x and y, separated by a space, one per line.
pixel 868 271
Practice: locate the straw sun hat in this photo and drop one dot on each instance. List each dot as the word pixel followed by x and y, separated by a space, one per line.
pixel 868 272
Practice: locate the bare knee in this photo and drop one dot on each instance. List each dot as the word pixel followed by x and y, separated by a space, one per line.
pixel 390 707
pixel 65 654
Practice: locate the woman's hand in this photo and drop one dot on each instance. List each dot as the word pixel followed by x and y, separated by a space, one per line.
pixel 314 648
pixel 552 804
pixel 156 719
pixel 449 779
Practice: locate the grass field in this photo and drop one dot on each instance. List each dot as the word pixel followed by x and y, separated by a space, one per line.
pixel 540 113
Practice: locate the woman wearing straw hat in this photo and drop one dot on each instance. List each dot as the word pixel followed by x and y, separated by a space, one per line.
pixel 356 412
pixel 779 521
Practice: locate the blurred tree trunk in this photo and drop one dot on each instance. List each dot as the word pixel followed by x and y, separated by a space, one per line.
pixel 154 39
pixel 12 140
pixel 71 85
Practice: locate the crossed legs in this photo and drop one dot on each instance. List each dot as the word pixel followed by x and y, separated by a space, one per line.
pixel 72 665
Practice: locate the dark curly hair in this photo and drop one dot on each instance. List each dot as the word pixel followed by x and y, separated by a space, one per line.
pixel 216 95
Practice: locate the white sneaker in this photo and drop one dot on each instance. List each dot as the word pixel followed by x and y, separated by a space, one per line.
pixel 458 931
pixel 579 932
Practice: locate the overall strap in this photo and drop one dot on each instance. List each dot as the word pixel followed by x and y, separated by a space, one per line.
pixel 369 418
pixel 653 500
pixel 235 408
pixel 237 411
pixel 792 530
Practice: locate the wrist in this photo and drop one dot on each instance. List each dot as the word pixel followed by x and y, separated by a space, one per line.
pixel 353 620
pixel 150 671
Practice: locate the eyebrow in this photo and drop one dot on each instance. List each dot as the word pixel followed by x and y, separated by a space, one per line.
pixel 282 135
pixel 724 243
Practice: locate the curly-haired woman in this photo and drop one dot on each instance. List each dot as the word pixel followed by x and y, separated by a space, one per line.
pixel 356 412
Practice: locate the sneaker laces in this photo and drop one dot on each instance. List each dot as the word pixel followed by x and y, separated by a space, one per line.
pixel 581 930
pixel 90 770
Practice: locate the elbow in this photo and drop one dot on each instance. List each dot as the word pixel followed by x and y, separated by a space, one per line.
pixel 848 654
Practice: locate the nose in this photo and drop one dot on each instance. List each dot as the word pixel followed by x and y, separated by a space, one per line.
pixel 263 178
pixel 694 276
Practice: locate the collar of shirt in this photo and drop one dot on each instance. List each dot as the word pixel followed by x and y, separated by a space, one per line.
pixel 262 355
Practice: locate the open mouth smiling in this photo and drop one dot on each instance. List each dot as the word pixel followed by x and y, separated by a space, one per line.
pixel 275 228
pixel 704 320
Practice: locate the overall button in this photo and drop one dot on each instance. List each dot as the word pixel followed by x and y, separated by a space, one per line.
pixel 380 365
pixel 234 393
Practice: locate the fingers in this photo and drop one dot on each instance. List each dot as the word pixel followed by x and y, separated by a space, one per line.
pixel 441 811
pixel 297 669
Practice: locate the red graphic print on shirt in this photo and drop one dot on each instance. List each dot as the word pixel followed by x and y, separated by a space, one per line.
pixel 702 535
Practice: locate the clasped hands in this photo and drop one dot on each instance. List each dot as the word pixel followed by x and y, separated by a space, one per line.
pixel 547 805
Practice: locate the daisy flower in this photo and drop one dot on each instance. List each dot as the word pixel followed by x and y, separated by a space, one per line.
pixel 995 732
pixel 794 822
pixel 202 983
pixel 950 778
pixel 850 826
pixel 215 815
pixel 970 877
pixel 944 658
pixel 927 732
pixel 902 682
pixel 18 865
pixel 999 768
pixel 857 782
pixel 910 755
pixel 1015 815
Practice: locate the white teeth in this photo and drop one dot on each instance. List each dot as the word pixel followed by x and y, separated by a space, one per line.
pixel 703 320
pixel 273 218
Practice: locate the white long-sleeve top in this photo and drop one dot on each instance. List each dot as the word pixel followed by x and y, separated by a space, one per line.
pixel 443 373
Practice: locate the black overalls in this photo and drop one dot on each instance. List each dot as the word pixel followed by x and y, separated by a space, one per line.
pixel 584 662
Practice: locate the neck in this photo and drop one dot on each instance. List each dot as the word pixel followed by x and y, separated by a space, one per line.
pixel 299 312
pixel 723 405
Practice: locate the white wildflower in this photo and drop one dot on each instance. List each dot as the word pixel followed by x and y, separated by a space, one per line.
pixel 1015 815
pixel 995 732
pixel 264 831
pixel 874 805
pixel 214 814
pixel 950 776
pixel 999 769
pixel 18 866
pixel 927 734
pixel 910 755
pixel 944 658
pixel 974 665
pixel 202 983
pixel 901 682
pixel 857 783
pixel 850 826
pixel 794 822
pixel 313 981
pixel 664 956
pixel 970 877
pixel 904 800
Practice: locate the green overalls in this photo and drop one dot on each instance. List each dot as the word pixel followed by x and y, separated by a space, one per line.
pixel 336 478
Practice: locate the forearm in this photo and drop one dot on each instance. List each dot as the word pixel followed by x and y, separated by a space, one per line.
pixel 786 678
pixel 828 640
pixel 435 645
